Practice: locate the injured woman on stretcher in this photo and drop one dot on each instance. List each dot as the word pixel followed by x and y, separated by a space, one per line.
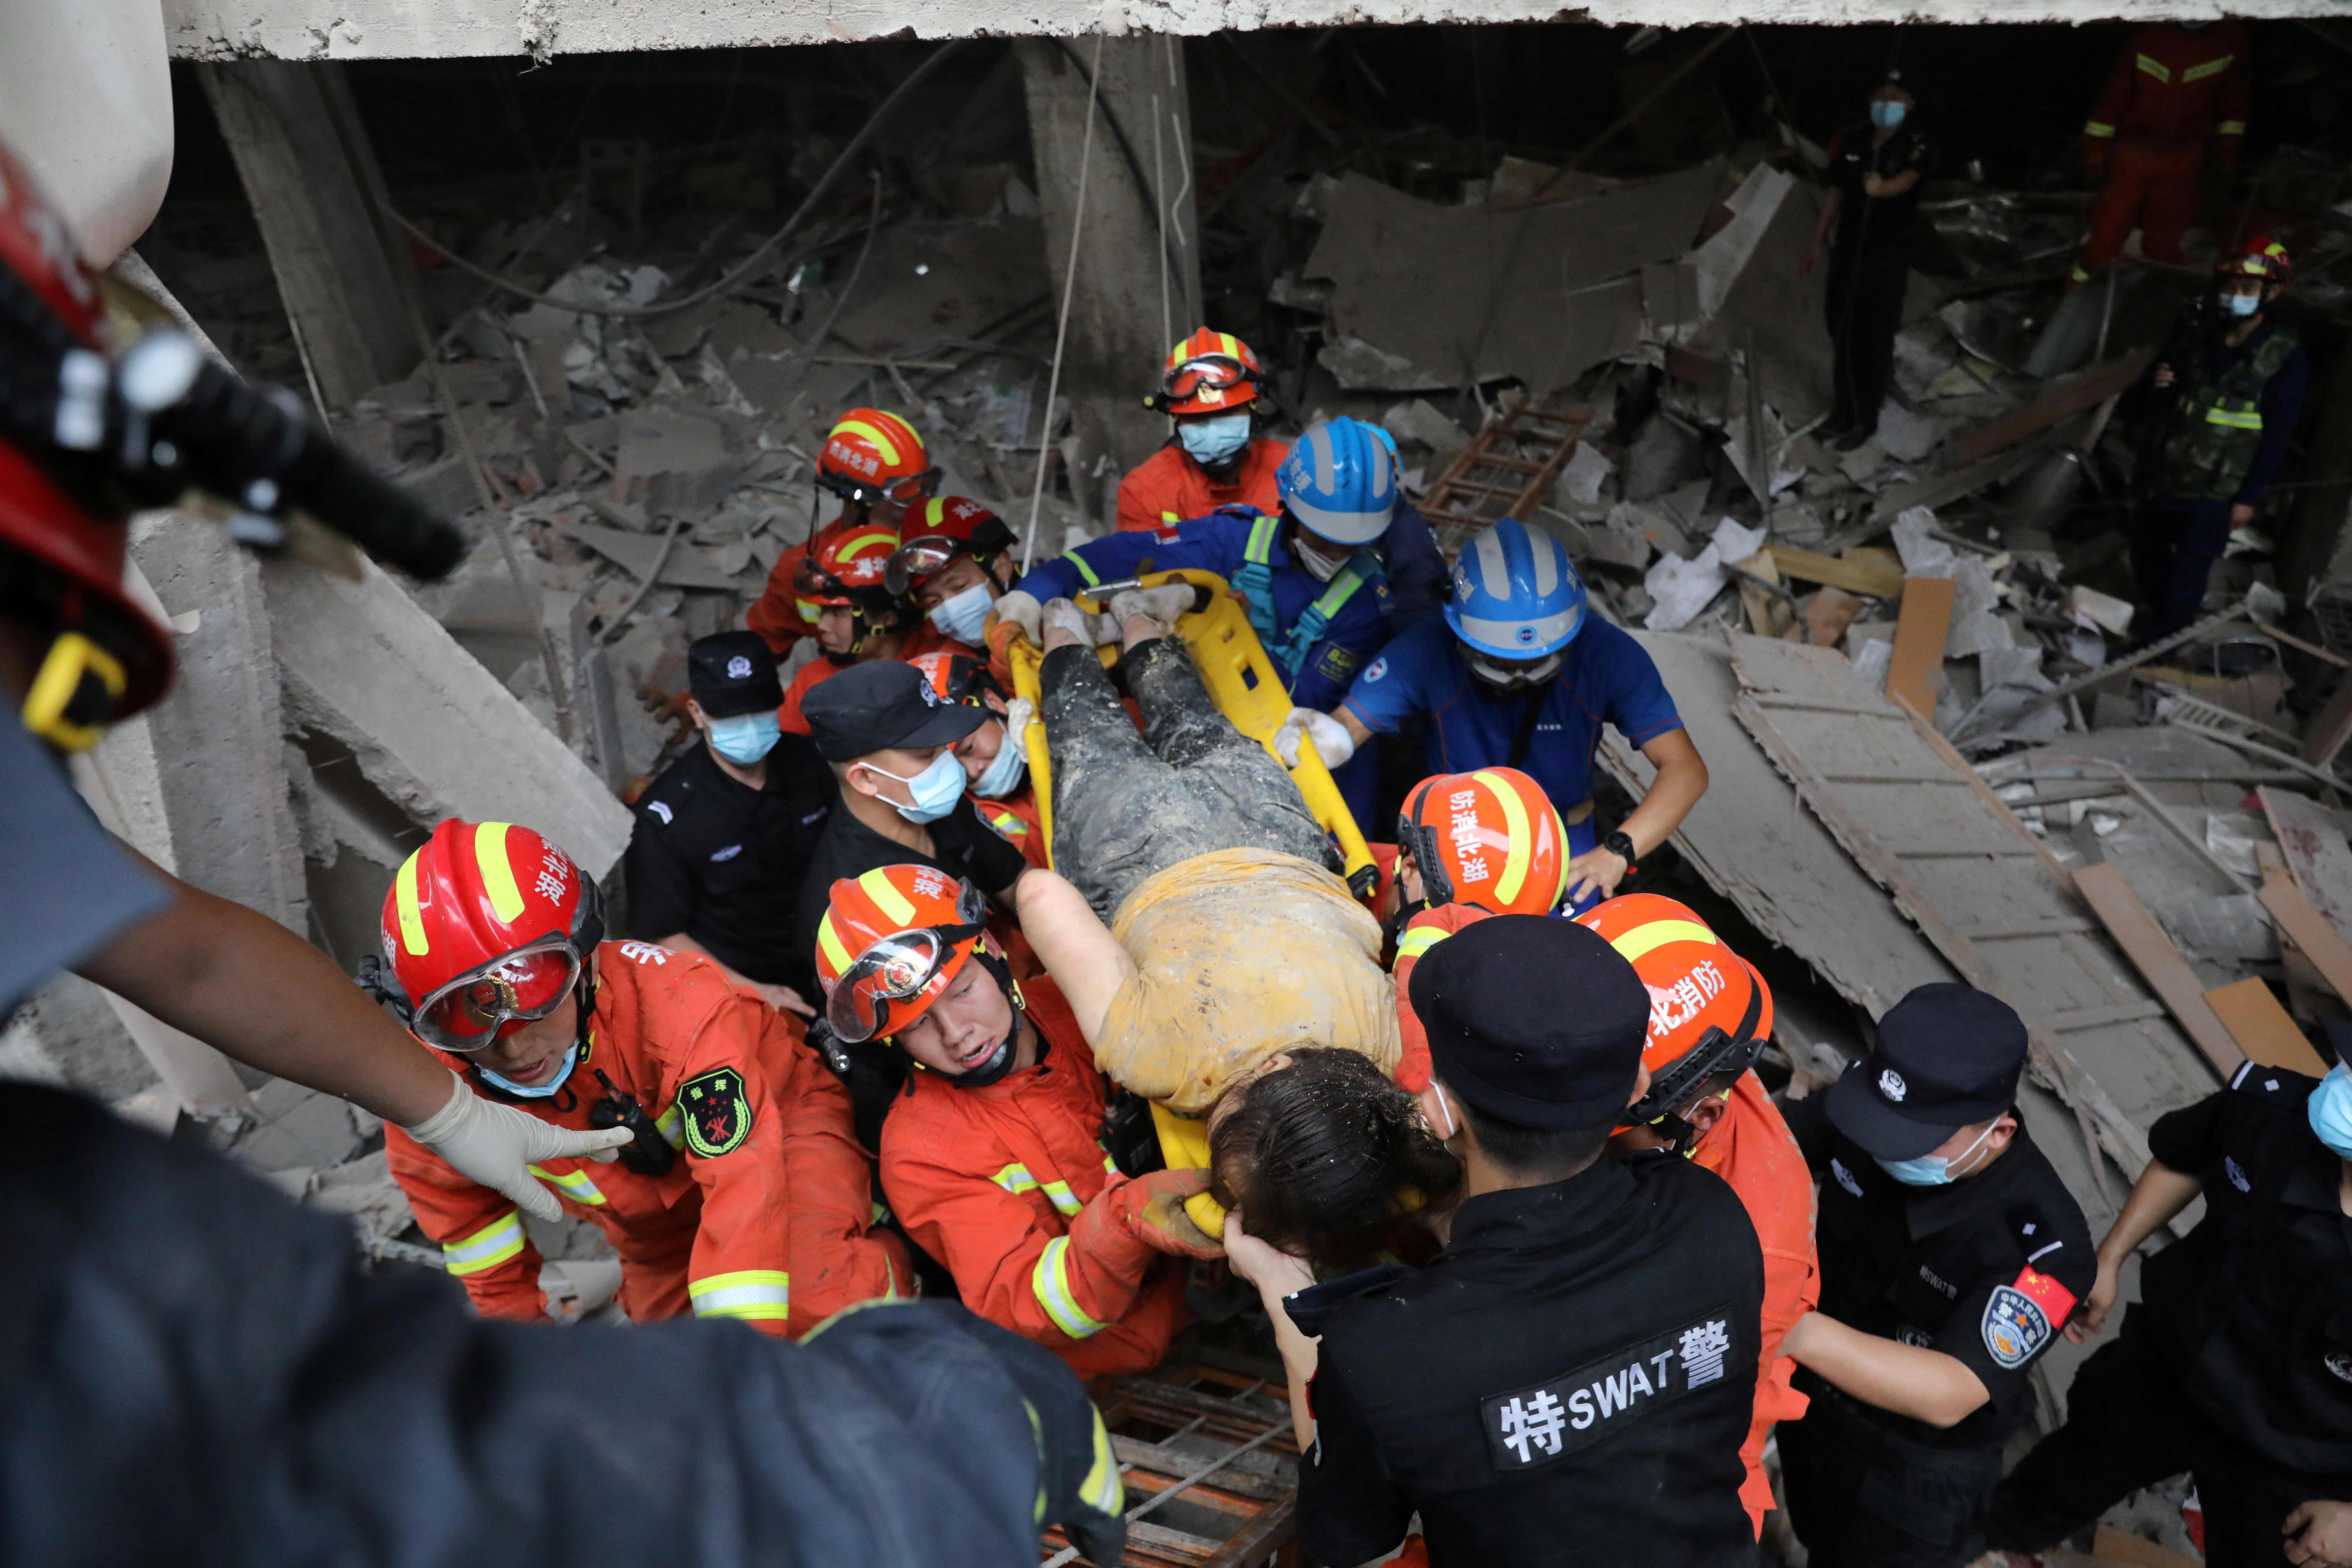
pixel 1217 964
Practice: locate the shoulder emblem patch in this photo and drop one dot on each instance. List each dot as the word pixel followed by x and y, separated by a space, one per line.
pixel 661 809
pixel 1845 1177
pixel 716 1113
pixel 2020 1317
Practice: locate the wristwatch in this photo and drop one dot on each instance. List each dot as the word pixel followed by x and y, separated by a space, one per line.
pixel 1617 844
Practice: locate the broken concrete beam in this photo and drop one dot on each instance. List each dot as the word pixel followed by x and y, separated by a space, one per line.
pixel 431 728
pixel 217 737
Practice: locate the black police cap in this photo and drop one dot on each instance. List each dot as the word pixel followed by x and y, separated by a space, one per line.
pixel 882 706
pixel 731 673
pixel 1534 1020
pixel 1948 1057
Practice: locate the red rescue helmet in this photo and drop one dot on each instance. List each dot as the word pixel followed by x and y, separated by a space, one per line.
pixel 849 569
pixel 487 928
pixel 1710 1012
pixel 2262 258
pixel 1489 838
pixel 62 550
pixel 935 534
pixel 872 454
pixel 890 943
pixel 959 677
pixel 1208 372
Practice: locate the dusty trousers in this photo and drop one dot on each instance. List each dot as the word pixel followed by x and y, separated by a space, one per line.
pixel 1127 806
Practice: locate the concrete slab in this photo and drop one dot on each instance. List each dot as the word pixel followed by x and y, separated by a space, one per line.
pixel 429 727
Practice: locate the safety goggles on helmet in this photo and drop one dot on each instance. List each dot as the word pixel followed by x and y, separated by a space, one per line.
pixel 921 558
pixel 899 969
pixel 1511 674
pixel 1717 1054
pixel 493 1000
pixel 1208 372
pixel 859 492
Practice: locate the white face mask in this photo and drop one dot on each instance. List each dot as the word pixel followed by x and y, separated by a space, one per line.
pixel 964 617
pixel 1320 566
pixel 1002 775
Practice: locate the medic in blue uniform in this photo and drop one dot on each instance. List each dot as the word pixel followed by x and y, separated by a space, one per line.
pixel 1518 674
pixel 1345 565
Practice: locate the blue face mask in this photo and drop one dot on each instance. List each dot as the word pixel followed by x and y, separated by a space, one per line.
pixel 745 738
pixel 1002 775
pixel 2241 304
pixel 1930 1170
pixel 935 790
pixel 1886 114
pixel 965 616
pixel 1212 441
pixel 571 1060
pixel 2329 1109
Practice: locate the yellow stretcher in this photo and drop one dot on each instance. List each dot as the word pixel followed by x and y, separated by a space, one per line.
pixel 1248 689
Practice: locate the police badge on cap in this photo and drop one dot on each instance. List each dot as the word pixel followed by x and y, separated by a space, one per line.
pixel 731 673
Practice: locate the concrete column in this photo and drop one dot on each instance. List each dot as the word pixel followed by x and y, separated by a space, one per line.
pixel 1139 276
pixel 302 158
pixel 217 737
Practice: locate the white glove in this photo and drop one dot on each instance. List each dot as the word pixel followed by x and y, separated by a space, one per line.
pixel 1024 611
pixel 494 1144
pixel 1018 714
pixel 1333 742
pixel 1061 614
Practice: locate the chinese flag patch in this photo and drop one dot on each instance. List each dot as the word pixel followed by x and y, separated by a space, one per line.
pixel 716 1111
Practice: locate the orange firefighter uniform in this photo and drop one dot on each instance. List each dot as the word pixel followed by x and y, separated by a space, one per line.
pixel 2172 93
pixel 1016 817
pixel 1010 1187
pixel 1169 488
pixel 783 614
pixel 765 1213
pixel 924 638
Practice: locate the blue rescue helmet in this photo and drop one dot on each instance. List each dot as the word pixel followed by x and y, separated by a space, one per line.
pixel 1340 481
pixel 1515 594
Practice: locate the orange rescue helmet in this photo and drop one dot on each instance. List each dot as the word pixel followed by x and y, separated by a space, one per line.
pixel 959 677
pixel 873 455
pixel 890 943
pixel 1710 1012
pixel 486 926
pixel 849 569
pixel 1489 838
pixel 1209 372
pixel 935 534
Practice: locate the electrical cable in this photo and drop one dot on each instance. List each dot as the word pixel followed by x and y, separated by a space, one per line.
pixel 1062 330
pixel 752 264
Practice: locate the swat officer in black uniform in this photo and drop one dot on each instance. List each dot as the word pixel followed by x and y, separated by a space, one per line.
pixel 723 836
pixel 1951 1255
pixel 1570 1380
pixel 2236 1365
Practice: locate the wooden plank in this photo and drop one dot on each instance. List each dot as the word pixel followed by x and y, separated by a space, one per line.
pixel 2262 1027
pixel 2061 400
pixel 1955 848
pixel 2057 925
pixel 1941 776
pixel 1257 1540
pixel 1869 578
pixel 2158 961
pixel 2313 841
pixel 2331 728
pixel 1917 671
pixel 2100 1017
pixel 2300 921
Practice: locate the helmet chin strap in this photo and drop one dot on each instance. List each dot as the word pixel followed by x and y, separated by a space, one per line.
pixel 1000 1065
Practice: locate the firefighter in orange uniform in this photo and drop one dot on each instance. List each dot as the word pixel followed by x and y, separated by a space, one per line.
pixel 995 763
pixel 2177 88
pixel 1212 390
pixel 1710 1016
pixel 858 619
pixel 994 1161
pixel 876 464
pixel 744 1193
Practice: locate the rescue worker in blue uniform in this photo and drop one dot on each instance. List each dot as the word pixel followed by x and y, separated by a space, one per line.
pixel 2236 1364
pixel 1518 674
pixel 1345 565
